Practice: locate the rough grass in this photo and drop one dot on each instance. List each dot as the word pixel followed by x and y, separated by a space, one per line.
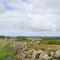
pixel 49 44
pixel 43 40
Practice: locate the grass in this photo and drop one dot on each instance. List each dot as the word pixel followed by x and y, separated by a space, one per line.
pixel 6 53
pixel 49 41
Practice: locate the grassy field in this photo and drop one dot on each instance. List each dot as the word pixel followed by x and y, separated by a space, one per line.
pixel 7 54
pixel 43 40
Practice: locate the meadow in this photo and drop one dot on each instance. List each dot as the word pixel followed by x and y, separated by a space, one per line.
pixel 6 53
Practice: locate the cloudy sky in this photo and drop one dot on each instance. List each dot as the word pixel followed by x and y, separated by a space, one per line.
pixel 30 17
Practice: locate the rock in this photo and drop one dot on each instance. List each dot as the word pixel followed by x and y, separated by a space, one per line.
pixel 27 55
pixel 57 54
pixel 44 56
pixel 36 54
pixel 52 54
pixel 54 59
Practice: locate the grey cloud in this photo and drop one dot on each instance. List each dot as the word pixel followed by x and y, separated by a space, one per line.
pixel 31 17
pixel 47 6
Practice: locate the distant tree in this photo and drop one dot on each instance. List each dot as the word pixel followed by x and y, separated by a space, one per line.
pixel 1 37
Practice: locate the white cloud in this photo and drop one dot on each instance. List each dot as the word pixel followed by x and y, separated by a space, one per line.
pixel 30 17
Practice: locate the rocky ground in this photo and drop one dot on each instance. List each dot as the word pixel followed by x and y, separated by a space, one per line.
pixel 34 50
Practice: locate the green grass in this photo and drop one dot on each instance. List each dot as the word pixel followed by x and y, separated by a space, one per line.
pixel 44 40
pixel 6 52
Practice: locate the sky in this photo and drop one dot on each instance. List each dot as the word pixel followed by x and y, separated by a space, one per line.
pixel 30 17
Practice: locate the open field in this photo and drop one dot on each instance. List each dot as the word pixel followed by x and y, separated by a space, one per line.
pixel 10 46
